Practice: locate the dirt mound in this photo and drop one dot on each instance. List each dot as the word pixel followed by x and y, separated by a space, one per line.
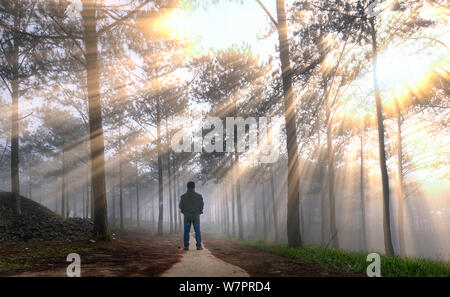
pixel 38 223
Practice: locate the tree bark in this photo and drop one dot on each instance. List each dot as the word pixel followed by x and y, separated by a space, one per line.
pixel 67 203
pixel 97 145
pixel 389 249
pixel 169 177
pixel 255 210
pixel 15 181
pixel 238 198
pixel 30 196
pixel 137 196
pixel 180 221
pixel 227 209
pixel 87 191
pixel 63 185
pixel 91 201
pixel 323 186
pixel 120 178
pixel 361 185
pixel 75 206
pixel 293 216
pixel 401 207
pixel 160 174
pixel 113 206
pixel 323 213
pixel 330 153
pixel 84 204
pixel 233 210
pixel 153 212
pixel 175 193
pixel 274 205
pixel 130 208
pixel 264 212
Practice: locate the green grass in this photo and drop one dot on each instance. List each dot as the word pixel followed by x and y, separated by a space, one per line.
pixel 38 255
pixel 354 261
pixel 8 266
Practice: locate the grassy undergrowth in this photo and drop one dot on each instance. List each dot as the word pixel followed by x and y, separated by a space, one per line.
pixel 20 258
pixel 354 261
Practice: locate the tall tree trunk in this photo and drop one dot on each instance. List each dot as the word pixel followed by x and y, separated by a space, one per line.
pixel 15 182
pixel 180 221
pixel 84 204
pixel 91 201
pixel 323 186
pixel 227 208
pixel 238 197
pixel 97 145
pixel 223 195
pixel 160 174
pixel 130 208
pixel 56 198
pixel 361 186
pixel 175 196
pixel 264 212
pixel 221 213
pixel 293 216
pixel 255 210
pixel 233 209
pixel 389 249
pixel 63 185
pixel 120 178
pixel 169 177
pixel 29 188
pixel 87 191
pixel 75 205
pixel 153 212
pixel 274 205
pixel 401 207
pixel 330 166
pixel 323 213
pixel 113 206
pixel 311 209
pixel 137 196
pixel 67 203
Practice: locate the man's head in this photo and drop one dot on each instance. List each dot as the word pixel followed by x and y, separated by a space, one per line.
pixel 191 185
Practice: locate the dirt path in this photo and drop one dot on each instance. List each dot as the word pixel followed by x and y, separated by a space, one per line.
pixel 145 254
pixel 203 263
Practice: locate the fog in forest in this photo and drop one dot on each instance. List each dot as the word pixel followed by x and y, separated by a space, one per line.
pixel 148 77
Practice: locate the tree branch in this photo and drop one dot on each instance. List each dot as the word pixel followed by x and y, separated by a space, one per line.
pixel 121 20
pixel 268 13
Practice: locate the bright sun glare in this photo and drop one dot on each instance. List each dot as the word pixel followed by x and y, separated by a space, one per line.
pixel 402 74
pixel 404 71
pixel 175 24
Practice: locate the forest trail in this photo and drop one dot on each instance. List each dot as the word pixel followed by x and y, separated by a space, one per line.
pixel 144 254
pixel 203 263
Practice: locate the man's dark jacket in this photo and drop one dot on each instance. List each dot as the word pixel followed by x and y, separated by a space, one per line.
pixel 191 205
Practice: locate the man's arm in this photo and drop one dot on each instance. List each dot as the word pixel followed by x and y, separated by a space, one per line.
pixel 181 205
pixel 201 204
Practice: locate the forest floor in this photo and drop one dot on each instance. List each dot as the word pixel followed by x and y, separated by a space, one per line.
pixel 130 254
pixel 259 263
pixel 134 253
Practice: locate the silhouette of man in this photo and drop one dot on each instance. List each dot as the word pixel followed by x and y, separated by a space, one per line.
pixel 191 205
